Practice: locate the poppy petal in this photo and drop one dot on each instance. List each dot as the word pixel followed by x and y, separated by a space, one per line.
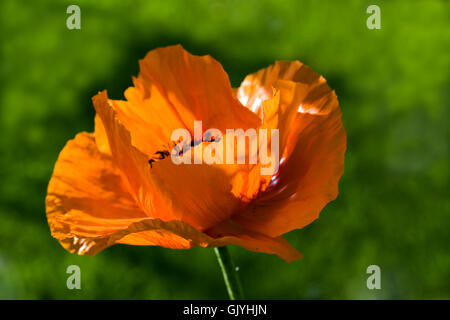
pixel 312 145
pixel 197 87
pixel 201 194
pixel 89 209
pixel 229 232
pixel 132 163
pixel 101 138
pixel 180 235
pixel 258 87
pixel 175 88
pixel 87 187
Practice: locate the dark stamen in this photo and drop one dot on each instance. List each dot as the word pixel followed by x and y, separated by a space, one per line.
pixel 162 154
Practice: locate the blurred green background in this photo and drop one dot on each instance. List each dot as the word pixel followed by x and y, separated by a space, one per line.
pixel 393 87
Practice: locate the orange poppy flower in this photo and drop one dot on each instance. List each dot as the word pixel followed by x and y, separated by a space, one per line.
pixel 116 185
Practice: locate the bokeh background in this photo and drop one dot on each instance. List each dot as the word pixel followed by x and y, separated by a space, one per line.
pixel 393 87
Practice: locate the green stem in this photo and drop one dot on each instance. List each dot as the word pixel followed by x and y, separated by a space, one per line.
pixel 229 272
